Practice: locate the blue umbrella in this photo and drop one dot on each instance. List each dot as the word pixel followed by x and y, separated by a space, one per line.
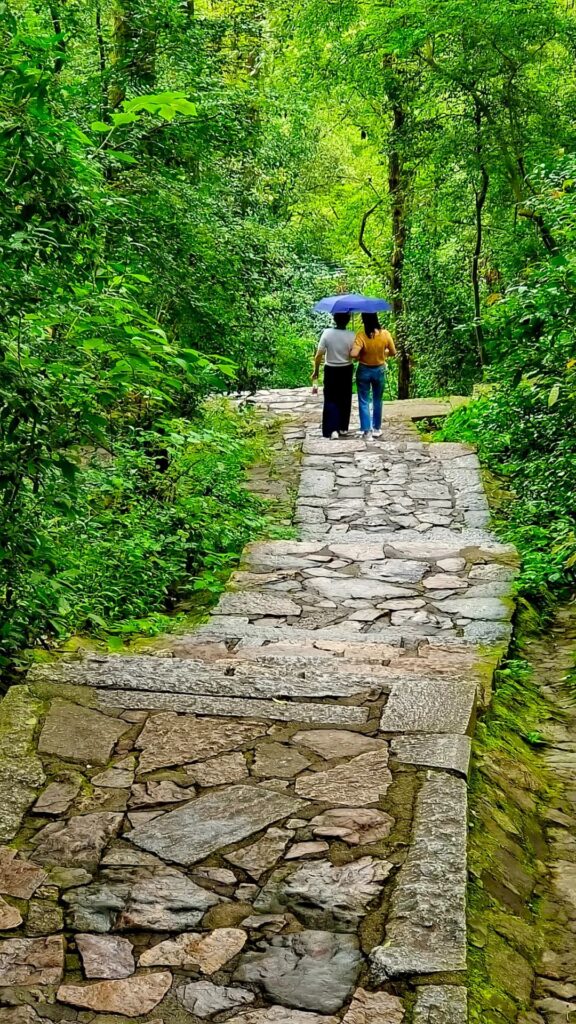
pixel 351 304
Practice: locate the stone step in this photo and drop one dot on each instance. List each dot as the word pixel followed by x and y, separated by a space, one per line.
pixel 225 678
pixel 277 710
pixel 451 752
pixel 208 678
pixel 235 628
pixel 437 543
pixel 416 707
pixel 426 927
pixel 222 627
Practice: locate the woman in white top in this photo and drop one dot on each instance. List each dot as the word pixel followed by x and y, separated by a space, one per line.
pixel 335 347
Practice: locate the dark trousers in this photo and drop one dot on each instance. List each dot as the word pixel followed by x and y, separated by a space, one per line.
pixel 337 398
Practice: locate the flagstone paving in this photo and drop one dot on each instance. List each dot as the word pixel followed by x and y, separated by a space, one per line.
pixel 264 821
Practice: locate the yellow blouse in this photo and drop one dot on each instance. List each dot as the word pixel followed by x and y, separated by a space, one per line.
pixel 373 351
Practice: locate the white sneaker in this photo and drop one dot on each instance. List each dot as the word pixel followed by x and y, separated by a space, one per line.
pixel 367 435
pixel 376 433
pixel 334 435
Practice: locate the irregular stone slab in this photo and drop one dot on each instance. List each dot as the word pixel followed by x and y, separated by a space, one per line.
pixel 419 707
pixel 21 772
pixel 316 483
pixel 262 855
pixel 283 548
pixel 396 570
pixel 267 922
pixel 330 448
pixel 485 608
pixel 18 878
pixel 441 1004
pixel 280 1015
pixel 68 878
pixel 106 956
pixel 140 817
pixel 164 792
pixel 443 581
pixel 204 999
pixel 102 800
pixel 20 1015
pixel 363 780
pixel 218 819
pixel 357 587
pixel 426 927
pixel 44 918
pixel 374 1008
pixel 81 734
pixel 56 798
pixel 307 849
pixel 78 842
pixel 452 564
pixel 31 961
pixel 131 997
pixel 221 875
pixel 286 712
pixel 254 604
pixel 487 633
pixel 170 739
pixel 275 760
pixel 208 952
pixel 164 901
pixel 10 917
pixel 364 551
pixel 119 776
pixel 325 895
pixel 312 970
pixel 439 751
pixel 357 826
pixel 127 856
pixel 333 743
pixel 494 589
pixel 219 771
pixel 246 892
pixel 492 572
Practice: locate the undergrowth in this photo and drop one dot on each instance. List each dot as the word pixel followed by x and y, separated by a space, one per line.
pixel 150 529
pixel 531 451
pixel 508 788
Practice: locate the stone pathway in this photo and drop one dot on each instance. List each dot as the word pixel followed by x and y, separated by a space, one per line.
pixel 266 822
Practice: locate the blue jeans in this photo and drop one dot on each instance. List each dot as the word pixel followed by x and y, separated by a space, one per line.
pixel 370 381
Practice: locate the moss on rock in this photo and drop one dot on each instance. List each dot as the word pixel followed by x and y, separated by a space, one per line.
pixel 21 772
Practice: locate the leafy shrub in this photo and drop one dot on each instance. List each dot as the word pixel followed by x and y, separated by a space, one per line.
pixel 135 532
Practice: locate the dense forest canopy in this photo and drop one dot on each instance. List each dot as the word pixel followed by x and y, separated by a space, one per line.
pixel 181 179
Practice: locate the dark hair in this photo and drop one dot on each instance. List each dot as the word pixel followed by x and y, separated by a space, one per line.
pixel 341 320
pixel 371 324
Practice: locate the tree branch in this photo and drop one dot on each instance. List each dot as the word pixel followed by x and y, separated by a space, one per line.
pixel 363 225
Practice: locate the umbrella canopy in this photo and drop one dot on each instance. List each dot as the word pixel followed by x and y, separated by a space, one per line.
pixel 351 304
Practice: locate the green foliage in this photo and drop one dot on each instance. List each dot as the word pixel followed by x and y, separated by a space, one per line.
pixel 531 448
pixel 148 260
pixel 136 532
pixel 180 181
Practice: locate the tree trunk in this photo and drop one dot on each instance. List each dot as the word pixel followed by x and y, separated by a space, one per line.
pixel 480 194
pixel 133 56
pixel 101 64
pixel 397 187
pixel 57 26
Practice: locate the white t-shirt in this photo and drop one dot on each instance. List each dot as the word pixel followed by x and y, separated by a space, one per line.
pixel 337 345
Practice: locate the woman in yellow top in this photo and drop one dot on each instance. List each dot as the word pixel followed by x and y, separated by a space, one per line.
pixel 372 347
